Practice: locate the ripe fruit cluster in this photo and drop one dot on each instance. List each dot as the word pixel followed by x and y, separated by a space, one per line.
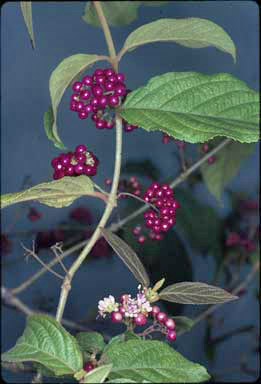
pixel 79 162
pixel 162 220
pixel 98 95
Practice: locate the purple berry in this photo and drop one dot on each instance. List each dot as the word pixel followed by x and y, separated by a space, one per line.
pixel 88 366
pixel 55 161
pixel 120 77
pixel 100 79
pixel 109 72
pixel 109 125
pixel 100 124
pixel 79 169
pixel 170 323
pixel 69 170
pixel 73 105
pixel 171 335
pixel 80 106
pixel 77 86
pixel 75 97
pixel 83 115
pixel 112 79
pixel 108 86
pixel 155 310
pixel 88 108
pixel 97 90
pixel 161 317
pixel 85 95
pixel 116 317
pixel 95 102
pixel 120 90
pixel 140 319
pixel 141 239
pixel 80 158
pixel 80 149
pixel 87 80
pixel 103 101
pixel 98 72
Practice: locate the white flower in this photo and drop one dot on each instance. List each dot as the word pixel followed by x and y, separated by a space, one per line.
pixel 107 305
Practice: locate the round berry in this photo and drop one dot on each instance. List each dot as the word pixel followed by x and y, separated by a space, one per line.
pixel 80 149
pixel 175 204
pixel 95 102
pixel 88 108
pixel 109 124
pixel 103 101
pixel 80 158
pixel 120 90
pixel 116 317
pixel 155 310
pixel 141 239
pixel 75 97
pixel 159 203
pixel 100 79
pixel 100 124
pixel 211 160
pixel 98 72
pixel 73 106
pixel 140 319
pixel 128 128
pixel 83 115
pixel 158 236
pixel 90 171
pixel 58 166
pixel 77 86
pixel 88 366
pixel 171 335
pixel 94 117
pixel 155 186
pixel 59 174
pixel 85 94
pixel 113 100
pixel 149 223
pixel 122 310
pixel 170 323
pixel 109 72
pixel 65 160
pixel 79 169
pixel 136 230
pixel 108 86
pixel 165 226
pixel 108 181
pixel 80 106
pixel 157 228
pixel 69 170
pixel 124 297
pixel 112 79
pixel 161 317
pixel 120 77
pixel 97 90
pixel 55 161
pixel 87 80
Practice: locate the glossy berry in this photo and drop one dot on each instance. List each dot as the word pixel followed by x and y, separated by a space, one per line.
pixel 171 335
pixel 116 317
pixel 170 323
pixel 100 124
pixel 113 100
pixel 155 310
pixel 83 115
pixel 80 149
pixel 161 317
pixel 77 86
pixel 87 80
pixel 120 77
pixel 136 231
pixel 88 366
pixel 211 160
pixel 140 319
pixel 85 95
pixel 141 239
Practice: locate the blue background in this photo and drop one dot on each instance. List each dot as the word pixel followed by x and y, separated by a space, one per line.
pixel 25 150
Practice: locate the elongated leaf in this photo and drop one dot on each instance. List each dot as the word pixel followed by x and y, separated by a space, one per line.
pixel 183 323
pixel 191 32
pixel 122 380
pixel 97 375
pixel 225 168
pixel 117 13
pixel 47 342
pixel 91 342
pixel 128 256
pixel 153 361
pixel 195 293
pixel 48 127
pixel 195 108
pixel 58 193
pixel 62 76
pixel 26 7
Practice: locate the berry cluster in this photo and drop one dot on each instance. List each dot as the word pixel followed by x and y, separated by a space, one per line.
pixel 205 149
pixel 160 221
pixel 136 311
pixel 80 162
pixel 239 239
pixel 98 95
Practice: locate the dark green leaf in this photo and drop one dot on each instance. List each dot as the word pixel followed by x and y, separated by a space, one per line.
pixel 142 167
pixel 47 342
pixel 26 7
pixel 128 256
pixel 190 32
pixel 128 335
pixel 152 361
pixel 189 292
pixel 58 193
pixel 226 167
pixel 195 108
pixel 117 13
pixel 91 342
pixel 48 126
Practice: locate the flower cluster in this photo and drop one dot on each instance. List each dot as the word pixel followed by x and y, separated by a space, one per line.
pixel 136 311
pixel 98 95
pixel 79 162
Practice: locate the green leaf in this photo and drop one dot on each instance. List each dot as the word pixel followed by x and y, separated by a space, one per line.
pixel 121 380
pixel 206 234
pixel 66 72
pixel 26 7
pixel 91 342
pixel 58 193
pixel 154 361
pixel 226 167
pixel 129 335
pixel 142 167
pixel 97 375
pixel 183 323
pixel 195 108
pixel 48 126
pixel 47 342
pixel 189 292
pixel 128 256
pixel 191 32
pixel 117 13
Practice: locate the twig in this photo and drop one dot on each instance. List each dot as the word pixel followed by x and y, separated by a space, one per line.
pixel 116 226
pixel 56 248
